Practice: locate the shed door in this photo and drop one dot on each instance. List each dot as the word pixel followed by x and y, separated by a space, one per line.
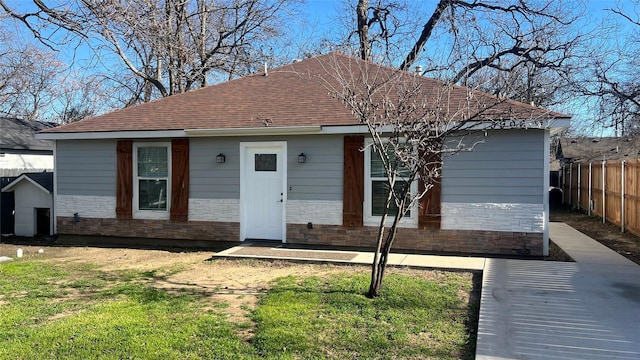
pixel 263 193
pixel 43 221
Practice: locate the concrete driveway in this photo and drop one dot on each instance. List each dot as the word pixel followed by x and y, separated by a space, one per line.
pixel 589 309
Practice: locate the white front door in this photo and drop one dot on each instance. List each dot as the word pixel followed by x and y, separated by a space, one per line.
pixel 263 190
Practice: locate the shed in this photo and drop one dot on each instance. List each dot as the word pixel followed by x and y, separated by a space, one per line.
pixel 33 203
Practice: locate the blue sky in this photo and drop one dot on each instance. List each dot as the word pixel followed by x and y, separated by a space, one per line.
pixel 321 16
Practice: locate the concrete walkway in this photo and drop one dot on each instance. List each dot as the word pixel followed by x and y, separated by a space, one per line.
pixel 353 257
pixel 588 309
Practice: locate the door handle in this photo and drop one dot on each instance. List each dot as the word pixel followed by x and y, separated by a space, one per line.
pixel 279 200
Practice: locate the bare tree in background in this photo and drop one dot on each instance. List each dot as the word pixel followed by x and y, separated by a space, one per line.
pixel 36 85
pixel 613 81
pixel 476 41
pixel 172 46
pixel 413 123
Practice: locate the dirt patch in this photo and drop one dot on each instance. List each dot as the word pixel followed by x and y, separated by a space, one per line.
pixel 625 244
pixel 235 284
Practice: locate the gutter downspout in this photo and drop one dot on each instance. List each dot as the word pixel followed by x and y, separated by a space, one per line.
pixel 54 217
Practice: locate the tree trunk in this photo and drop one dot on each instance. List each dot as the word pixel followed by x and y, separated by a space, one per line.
pixel 383 246
pixel 362 10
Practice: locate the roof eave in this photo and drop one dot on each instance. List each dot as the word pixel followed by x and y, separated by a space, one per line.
pixel 17 180
pixel 90 135
pixel 555 125
pixel 262 131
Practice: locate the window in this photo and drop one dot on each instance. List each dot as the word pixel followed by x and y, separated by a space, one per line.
pixel 152 162
pixel 266 162
pixel 376 186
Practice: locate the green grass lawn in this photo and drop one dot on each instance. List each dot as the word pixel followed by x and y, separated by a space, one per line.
pixel 72 311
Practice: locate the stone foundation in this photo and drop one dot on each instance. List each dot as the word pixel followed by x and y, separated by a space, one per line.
pixel 198 232
pixel 157 229
pixel 432 241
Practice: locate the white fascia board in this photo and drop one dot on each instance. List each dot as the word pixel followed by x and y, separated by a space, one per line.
pixel 112 135
pixel 555 125
pixel 262 131
pixel 15 182
pixel 551 124
pixel 351 129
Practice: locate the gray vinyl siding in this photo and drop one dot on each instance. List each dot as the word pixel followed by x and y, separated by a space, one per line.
pixel 86 167
pixel 208 179
pixel 320 178
pixel 508 167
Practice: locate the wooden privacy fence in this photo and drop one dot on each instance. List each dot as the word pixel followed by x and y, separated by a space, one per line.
pixel 608 189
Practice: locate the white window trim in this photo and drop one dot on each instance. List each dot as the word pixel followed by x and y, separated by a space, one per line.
pixel 371 220
pixel 150 214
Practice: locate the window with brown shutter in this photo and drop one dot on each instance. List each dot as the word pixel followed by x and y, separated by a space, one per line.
pixel 124 185
pixel 179 180
pixel 353 189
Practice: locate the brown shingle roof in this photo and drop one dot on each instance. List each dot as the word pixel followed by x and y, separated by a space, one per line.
pixel 292 95
pixel 597 149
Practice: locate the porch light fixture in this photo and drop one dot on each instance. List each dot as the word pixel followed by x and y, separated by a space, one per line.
pixel 220 159
pixel 302 158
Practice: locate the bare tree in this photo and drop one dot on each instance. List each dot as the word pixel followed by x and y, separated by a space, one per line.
pixel 477 41
pixel 413 123
pixel 612 83
pixel 172 46
pixel 36 85
pixel 28 81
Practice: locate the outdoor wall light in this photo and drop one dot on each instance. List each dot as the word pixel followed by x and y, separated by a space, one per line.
pixel 76 217
pixel 302 158
pixel 220 159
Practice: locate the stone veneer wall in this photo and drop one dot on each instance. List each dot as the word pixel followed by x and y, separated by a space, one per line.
pixel 160 229
pixel 435 241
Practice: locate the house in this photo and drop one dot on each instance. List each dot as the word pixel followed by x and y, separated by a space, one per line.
pixel 586 149
pixel 275 156
pixel 33 203
pixel 20 151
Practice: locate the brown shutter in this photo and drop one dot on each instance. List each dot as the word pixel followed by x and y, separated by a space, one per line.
pixel 353 189
pixel 179 179
pixel 124 186
pixel 430 205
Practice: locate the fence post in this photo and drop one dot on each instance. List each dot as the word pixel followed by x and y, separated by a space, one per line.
pixel 604 198
pixel 579 186
pixel 562 176
pixel 622 198
pixel 590 195
pixel 571 185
